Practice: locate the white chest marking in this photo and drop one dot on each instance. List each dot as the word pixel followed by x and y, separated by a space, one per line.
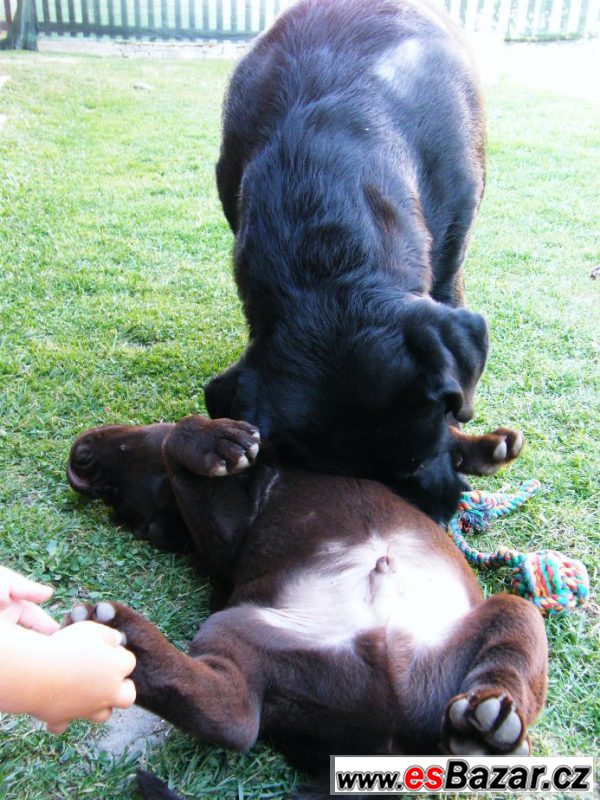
pixel 343 593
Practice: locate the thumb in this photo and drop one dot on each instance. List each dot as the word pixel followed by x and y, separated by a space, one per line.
pixel 110 635
pixel 96 630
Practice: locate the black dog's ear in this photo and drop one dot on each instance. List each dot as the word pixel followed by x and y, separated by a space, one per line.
pixel 237 394
pixel 452 394
pixel 464 336
pixel 452 344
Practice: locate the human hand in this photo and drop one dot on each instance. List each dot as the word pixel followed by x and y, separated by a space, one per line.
pixel 19 599
pixel 86 677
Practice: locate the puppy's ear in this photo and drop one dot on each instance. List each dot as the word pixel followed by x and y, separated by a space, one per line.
pixel 465 339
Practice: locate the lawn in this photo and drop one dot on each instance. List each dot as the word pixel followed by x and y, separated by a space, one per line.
pixel 117 305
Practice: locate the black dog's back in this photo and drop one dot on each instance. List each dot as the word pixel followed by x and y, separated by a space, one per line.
pixel 394 74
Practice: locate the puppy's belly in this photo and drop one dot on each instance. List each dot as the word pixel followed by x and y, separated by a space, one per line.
pixel 391 582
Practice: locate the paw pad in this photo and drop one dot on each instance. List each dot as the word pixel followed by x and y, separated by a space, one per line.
pixel 485 726
pixel 79 613
pixel 104 612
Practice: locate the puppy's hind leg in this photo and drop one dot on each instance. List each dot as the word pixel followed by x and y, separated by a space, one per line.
pixel 504 686
pixel 479 692
pixel 152 788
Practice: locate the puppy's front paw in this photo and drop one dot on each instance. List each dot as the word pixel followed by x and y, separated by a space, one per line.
pixel 484 723
pixel 214 448
pixel 137 633
pixel 508 447
pixel 154 654
pixel 486 454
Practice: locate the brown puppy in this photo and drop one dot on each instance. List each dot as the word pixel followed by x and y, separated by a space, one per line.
pixel 350 623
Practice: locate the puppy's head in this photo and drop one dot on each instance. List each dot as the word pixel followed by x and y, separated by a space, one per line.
pixel 370 402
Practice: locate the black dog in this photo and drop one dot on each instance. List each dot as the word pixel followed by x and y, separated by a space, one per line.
pixel 351 168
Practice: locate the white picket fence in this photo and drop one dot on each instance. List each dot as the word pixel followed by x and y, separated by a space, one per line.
pixel 523 19
pixel 243 19
pixel 517 19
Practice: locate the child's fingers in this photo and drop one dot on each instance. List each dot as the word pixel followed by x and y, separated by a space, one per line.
pixel 101 716
pixel 125 696
pixel 57 727
pixel 127 661
pixel 14 586
pixel 95 630
pixel 32 616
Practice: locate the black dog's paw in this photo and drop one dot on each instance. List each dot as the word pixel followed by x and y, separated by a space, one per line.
pixel 484 723
pixel 214 448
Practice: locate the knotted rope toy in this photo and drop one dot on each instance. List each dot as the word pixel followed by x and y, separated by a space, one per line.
pixel 552 581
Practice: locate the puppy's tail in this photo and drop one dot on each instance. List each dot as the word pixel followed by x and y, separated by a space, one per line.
pixel 152 788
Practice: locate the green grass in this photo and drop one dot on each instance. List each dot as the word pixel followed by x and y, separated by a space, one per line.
pixel 117 304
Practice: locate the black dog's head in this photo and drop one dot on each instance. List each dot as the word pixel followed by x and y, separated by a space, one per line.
pixel 370 400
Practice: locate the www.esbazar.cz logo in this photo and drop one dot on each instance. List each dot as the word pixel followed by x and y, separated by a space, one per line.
pixel 460 775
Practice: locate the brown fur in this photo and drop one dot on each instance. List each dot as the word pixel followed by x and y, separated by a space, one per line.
pixel 259 531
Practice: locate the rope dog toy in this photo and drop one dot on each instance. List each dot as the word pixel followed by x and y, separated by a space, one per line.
pixel 552 581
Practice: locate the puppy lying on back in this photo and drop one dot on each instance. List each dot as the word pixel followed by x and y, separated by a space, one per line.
pixel 351 168
pixel 349 621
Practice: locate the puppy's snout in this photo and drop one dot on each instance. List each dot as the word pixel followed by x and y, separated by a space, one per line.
pixel 81 456
pixel 79 467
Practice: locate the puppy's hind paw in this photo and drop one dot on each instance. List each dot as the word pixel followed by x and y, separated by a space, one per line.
pixel 484 723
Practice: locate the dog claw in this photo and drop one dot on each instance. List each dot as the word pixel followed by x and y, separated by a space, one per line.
pixel 509 731
pixel 242 463
pixel 218 470
pixel 517 445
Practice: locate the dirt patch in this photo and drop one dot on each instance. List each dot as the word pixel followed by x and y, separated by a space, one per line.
pixel 132 731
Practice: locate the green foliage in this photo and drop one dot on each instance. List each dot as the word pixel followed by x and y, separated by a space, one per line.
pixel 117 305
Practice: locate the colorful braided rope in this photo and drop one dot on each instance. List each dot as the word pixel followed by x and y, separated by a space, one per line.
pixel 552 581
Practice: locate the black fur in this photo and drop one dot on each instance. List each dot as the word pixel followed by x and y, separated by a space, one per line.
pixel 351 185
pixel 152 788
